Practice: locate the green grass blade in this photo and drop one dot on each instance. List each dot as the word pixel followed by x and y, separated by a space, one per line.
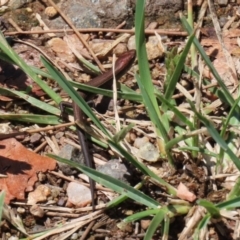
pixel 155 223
pixel 33 101
pixel 62 81
pixel 166 226
pixel 27 69
pixel 175 110
pixel 144 72
pixel 2 197
pixel 200 49
pixel 235 191
pixel 122 133
pixel 145 170
pixel 210 207
pixel 232 203
pixel 130 95
pixel 116 201
pixel 112 183
pixel 202 224
pixel 140 215
pixel 154 116
pixel 200 150
pixel 32 118
pixel 216 136
pixel 177 72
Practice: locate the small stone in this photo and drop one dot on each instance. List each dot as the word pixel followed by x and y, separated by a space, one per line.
pixel 71 153
pixel 128 212
pixel 41 177
pixel 120 49
pixel 145 224
pixel 37 28
pixel 59 135
pixel 50 12
pixel 74 236
pixel 40 194
pixel 139 142
pixel 61 201
pixel 149 152
pixel 21 210
pixel 61 49
pixel 115 169
pixel 131 43
pixel 152 25
pixel 13 238
pixel 222 2
pixel 78 194
pixel 36 211
pixel 154 48
pixel 125 227
pixel 35 138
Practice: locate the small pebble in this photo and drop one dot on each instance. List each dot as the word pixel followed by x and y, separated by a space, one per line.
pixel 41 177
pixel 145 224
pixel 78 194
pixel 74 236
pixel 13 238
pixel 40 194
pixel 152 25
pixel 61 201
pixel 139 142
pixel 21 210
pixel 149 152
pixel 36 211
pixel 50 12
pixel 222 2
pixel 59 135
pixel 35 138
pixel 115 169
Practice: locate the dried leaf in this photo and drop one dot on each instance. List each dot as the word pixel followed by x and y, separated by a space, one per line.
pixel 21 167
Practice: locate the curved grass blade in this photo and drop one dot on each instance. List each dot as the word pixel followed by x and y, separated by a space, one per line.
pixel 177 72
pixel 116 201
pixel 203 223
pixel 154 115
pixel 140 215
pixel 62 81
pixel 175 110
pixel 141 167
pixel 130 95
pixel 2 197
pixel 199 149
pixel 145 80
pixel 27 69
pixel 232 203
pixel 210 207
pixel 112 183
pixel 122 133
pixel 155 223
pixel 32 118
pixel 216 136
pixel 200 49
pixel 33 101
pixel 235 191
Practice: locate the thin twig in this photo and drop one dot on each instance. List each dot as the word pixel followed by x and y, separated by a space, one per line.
pixel 88 229
pixel 170 32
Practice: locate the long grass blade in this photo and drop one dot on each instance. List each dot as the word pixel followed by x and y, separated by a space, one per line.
pixel 112 183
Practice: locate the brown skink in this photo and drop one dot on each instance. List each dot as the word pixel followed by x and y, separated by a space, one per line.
pixel 122 65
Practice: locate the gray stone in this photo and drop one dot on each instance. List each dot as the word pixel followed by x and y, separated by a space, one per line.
pixel 71 153
pixel 115 169
pixel 163 7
